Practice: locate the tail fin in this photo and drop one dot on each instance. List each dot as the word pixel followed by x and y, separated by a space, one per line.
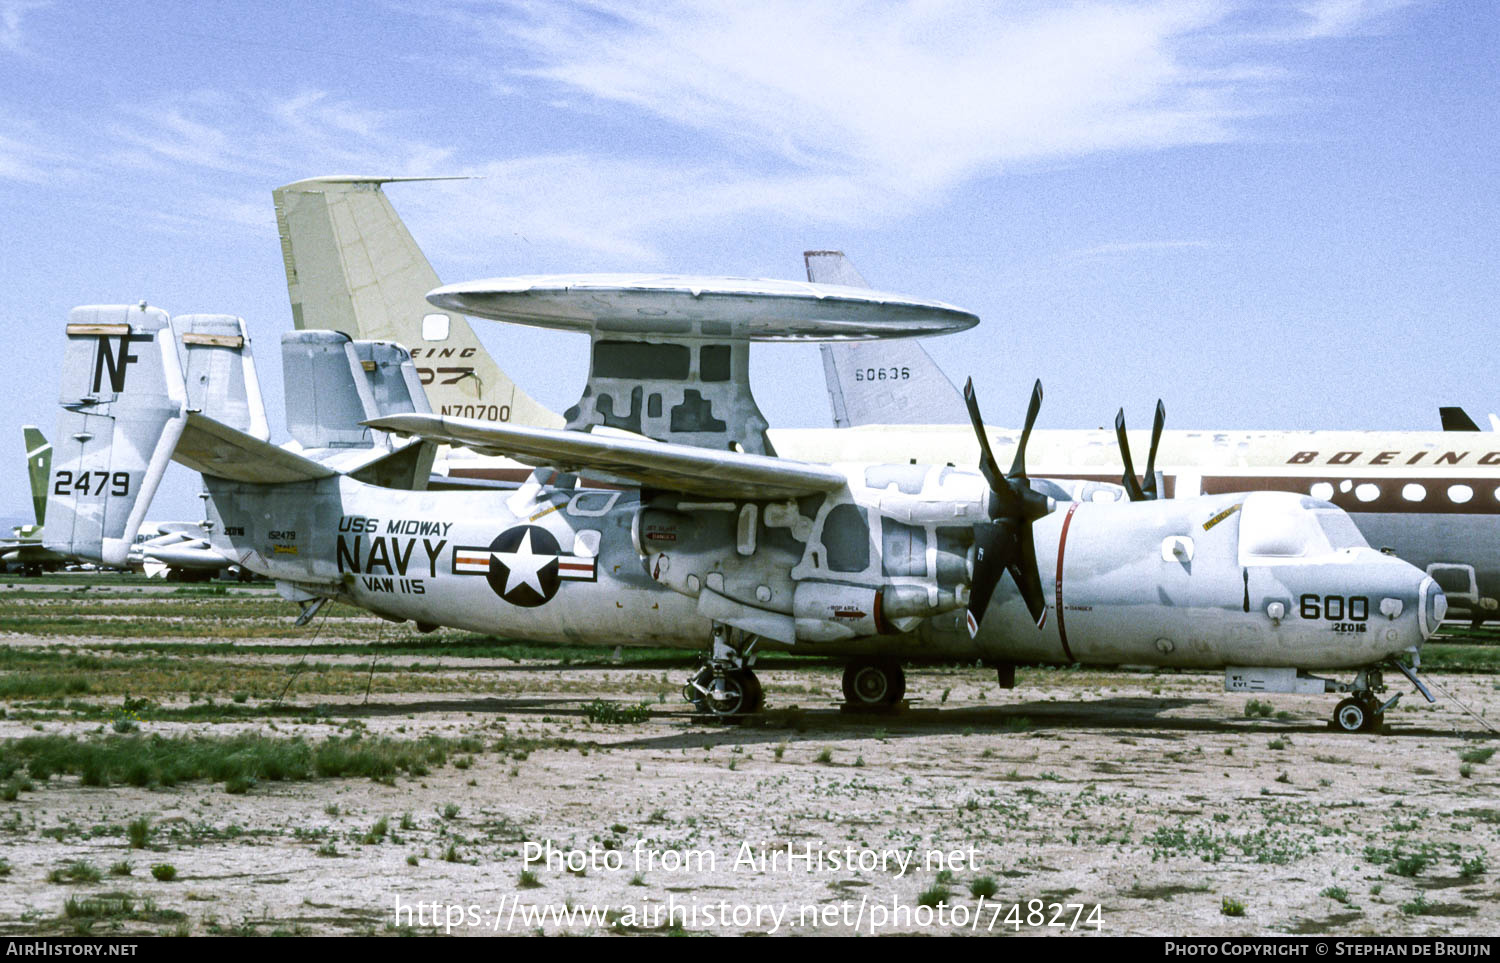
pixel 123 409
pixel 881 382
pixel 1455 418
pixel 218 371
pixel 325 402
pixel 334 383
pixel 394 386
pixel 39 466
pixel 352 266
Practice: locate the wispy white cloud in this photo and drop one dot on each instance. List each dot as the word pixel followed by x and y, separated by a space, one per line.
pixel 12 13
pixel 32 155
pixel 616 206
pixel 261 134
pixel 831 113
pixel 1140 247
pixel 808 107
pixel 1322 19
pixel 913 98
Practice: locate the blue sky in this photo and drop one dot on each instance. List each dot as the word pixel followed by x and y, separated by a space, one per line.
pixel 1272 214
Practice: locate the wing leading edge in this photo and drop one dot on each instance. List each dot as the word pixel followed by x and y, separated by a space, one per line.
pixel 682 468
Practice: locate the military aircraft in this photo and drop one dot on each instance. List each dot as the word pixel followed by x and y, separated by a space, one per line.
pixel 1431 497
pixel 24 550
pixel 717 546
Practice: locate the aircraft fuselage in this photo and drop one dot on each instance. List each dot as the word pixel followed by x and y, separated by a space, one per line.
pixel 568 566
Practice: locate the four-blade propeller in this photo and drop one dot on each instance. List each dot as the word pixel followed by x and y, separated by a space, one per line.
pixel 1004 543
pixel 1137 491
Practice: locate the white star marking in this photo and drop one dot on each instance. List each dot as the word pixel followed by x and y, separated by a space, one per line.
pixel 523 566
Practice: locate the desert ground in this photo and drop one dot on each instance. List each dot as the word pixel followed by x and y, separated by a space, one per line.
pixel 183 761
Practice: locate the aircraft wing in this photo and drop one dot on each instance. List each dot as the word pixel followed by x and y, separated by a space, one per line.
pixel 212 448
pixel 683 468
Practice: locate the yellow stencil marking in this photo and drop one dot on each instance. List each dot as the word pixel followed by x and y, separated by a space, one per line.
pixel 1221 516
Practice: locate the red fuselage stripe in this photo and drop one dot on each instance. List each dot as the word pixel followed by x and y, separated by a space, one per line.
pixel 1062 542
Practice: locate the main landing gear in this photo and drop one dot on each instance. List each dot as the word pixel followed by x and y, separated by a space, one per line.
pixel 1364 710
pixel 872 684
pixel 724 685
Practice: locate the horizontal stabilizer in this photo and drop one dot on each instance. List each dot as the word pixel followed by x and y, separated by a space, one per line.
pixel 682 468
pixel 215 449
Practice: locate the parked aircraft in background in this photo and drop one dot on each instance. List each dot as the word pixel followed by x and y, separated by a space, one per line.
pixel 24 551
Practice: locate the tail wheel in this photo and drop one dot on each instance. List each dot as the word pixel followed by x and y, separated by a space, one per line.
pixel 871 683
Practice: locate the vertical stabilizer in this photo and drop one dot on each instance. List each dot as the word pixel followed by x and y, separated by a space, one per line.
pixel 352 266
pixel 123 408
pixel 39 468
pixel 395 387
pixel 334 383
pixel 218 371
pixel 325 401
pixel 892 382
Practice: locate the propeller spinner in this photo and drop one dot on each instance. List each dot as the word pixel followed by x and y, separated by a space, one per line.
pixel 1138 491
pixel 1004 543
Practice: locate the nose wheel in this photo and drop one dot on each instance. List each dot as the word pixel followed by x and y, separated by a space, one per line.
pixel 1357 715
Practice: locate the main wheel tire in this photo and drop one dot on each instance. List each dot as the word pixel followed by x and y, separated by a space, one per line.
pixel 1351 715
pixel 871 684
pixel 755 695
pixel 732 699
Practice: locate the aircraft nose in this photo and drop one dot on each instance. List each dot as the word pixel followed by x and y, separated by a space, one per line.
pixel 1433 605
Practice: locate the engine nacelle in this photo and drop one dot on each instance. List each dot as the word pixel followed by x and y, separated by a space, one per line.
pixel 831 611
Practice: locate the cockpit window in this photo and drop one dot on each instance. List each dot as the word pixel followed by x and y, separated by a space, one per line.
pixel 1339 529
pixel 1277 525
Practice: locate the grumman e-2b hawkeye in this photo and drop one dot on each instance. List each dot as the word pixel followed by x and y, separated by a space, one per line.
pixel 705 539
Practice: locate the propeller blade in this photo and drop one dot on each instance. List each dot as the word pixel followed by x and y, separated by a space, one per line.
pixel 1149 487
pixel 1018 467
pixel 1132 486
pixel 1004 543
pixel 990 544
pixel 987 464
pixel 1028 579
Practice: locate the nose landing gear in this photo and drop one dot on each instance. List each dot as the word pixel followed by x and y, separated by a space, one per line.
pixel 1358 714
pixel 1364 711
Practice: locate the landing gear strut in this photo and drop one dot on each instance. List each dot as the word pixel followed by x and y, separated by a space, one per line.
pixel 1364 711
pixel 873 683
pixel 725 685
